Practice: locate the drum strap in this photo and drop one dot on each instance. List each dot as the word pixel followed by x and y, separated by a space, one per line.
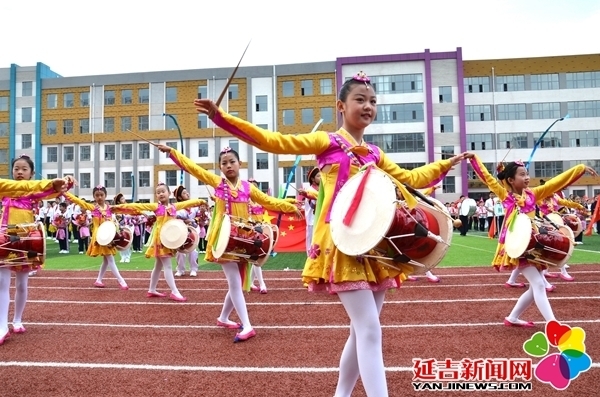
pixel 357 198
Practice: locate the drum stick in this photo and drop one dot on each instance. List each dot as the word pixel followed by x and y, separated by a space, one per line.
pixel 218 102
pixel 143 139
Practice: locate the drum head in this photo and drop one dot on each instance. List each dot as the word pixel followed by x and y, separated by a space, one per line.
pixel 194 238
pixel 173 233
pixel 468 207
pixel 445 232
pixel 556 218
pixel 42 255
pixel 220 244
pixel 268 230
pixel 106 233
pixel 124 243
pixel 518 236
pixel 373 217
pixel 571 219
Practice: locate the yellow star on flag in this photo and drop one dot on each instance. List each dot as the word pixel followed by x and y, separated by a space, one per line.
pixel 267 218
pixel 283 234
pixel 291 227
pixel 291 218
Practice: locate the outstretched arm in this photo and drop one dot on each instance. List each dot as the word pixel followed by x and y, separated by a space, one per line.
pixel 189 203
pixel 570 204
pixel 133 208
pixel 561 181
pixel 486 177
pixel 83 204
pixel 271 203
pixel 16 189
pixel 190 167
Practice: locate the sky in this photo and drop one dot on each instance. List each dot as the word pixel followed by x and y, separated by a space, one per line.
pixel 80 38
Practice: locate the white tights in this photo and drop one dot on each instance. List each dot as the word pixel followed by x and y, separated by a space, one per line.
pixel 235 297
pixel 4 299
pixel 163 263
pixel 109 261
pixel 257 274
pixel 362 354
pixel 21 279
pixel 536 292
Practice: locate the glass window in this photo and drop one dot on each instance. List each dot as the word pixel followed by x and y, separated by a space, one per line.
pixel 171 178
pixel 262 161
pixel 583 80
pixel 202 148
pixel 109 152
pixel 171 145
pixel 449 184
pixel 170 123
pixel 447 152
pixel 446 124
pixel 126 123
pixel 306 87
pixel 288 88
pixel 547 169
pixel 3 103
pixel 517 140
pixel 308 116
pixel 109 124
pixel 263 126
pixel 85 153
pixel 510 83
pixel 584 109
pixel 400 113
pixel 472 175
pixel 595 164
pixel 67 127
pixel 544 81
pixel 143 123
pixel 26 141
pixel 288 117
pixel 171 94
pixel 68 153
pixel 305 171
pixel 202 92
pixel 126 179
pixel 549 110
pixel 478 113
pixel 52 101
pixel 445 94
pixel 476 84
pixel 202 121
pixel 4 129
pixel 551 139
pixel 326 86
pixel 52 155
pixel 327 115
pixel 143 95
pixel 264 187
pixel 26 115
pixel 516 111
pixel 68 100
pixel 480 142
pixel 234 144
pixel 126 97
pixel 4 156
pixel 126 151
pixel 287 171
pixel 397 84
pixel 51 127
pixel 84 99
pixel 84 126
pixel 27 88
pixel 109 97
pixel 85 180
pixel 589 138
pixel 144 178
pixel 109 179
pixel 261 103
pixel 410 166
pixel 233 91
pixel 144 150
pixel 399 142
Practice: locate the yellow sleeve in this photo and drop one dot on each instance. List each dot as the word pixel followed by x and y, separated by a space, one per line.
pixel 15 189
pixel 133 208
pixel 194 169
pixel 428 191
pixel 418 178
pixel 570 204
pixel 271 203
pixel 311 193
pixel 559 182
pixel 272 142
pixel 189 203
pixel 487 178
pixel 83 204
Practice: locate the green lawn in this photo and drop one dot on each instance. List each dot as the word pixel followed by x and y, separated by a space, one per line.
pixel 473 250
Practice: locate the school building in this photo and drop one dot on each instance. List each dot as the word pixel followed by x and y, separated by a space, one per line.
pixel 430 105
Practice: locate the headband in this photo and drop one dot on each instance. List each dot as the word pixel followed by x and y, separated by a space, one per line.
pixel 226 149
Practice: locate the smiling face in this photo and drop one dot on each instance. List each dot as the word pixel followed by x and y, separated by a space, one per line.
pixel 99 197
pixel 22 170
pixel 521 179
pixel 230 165
pixel 359 108
pixel 162 194
pixel 184 195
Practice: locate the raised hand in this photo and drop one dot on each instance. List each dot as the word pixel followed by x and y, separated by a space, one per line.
pixel 206 106
pixel 591 171
pixel 164 148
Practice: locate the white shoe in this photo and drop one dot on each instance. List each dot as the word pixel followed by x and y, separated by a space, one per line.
pixel 193 274
pixel 127 260
pixel 32 273
pixel 75 241
pixel 80 252
pixel 122 260
pixel 179 274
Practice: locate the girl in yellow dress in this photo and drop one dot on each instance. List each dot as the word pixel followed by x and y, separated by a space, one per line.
pixel 359 282
pixel 517 198
pixel 101 212
pixel 18 200
pixel 164 212
pixel 232 196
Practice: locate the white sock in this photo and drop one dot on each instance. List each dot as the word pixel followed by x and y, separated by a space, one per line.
pixel 362 308
pixel 193 258
pixel 180 257
pixel 235 295
pixel 535 293
pixel 563 270
pixel 168 271
pixel 513 276
pixel 21 279
pixel 257 271
pixel 113 268
pixel 4 299
pixel 155 275
pixel 103 268
pixel 227 309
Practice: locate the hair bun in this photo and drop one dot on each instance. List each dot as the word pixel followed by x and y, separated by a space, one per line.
pixel 502 175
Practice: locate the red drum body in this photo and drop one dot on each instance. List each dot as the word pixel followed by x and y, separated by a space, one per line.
pixel 23 244
pixel 191 242
pixel 573 222
pixel 123 239
pixel 240 238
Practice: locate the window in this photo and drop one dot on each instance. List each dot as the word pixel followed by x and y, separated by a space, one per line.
pixel 126 179
pixel 171 145
pixel 549 110
pixel 449 184
pixel 480 142
pixel 327 115
pixel 109 124
pixel 68 100
pixel 84 99
pixel 264 187
pixel 68 153
pixel 305 171
pixel 3 156
pixel 400 113
pixel 478 112
pixel 261 103
pixel 595 164
pixel 510 83
pixel 143 151
pixel 84 126
pixel 126 151
pixel 397 84
pixel 202 148
pixel 446 124
pixel 584 109
pixel 410 166
pixel 544 81
pixel 515 111
pixel 52 155
pixel 262 161
pixel 473 176
pixel 551 139
pixel 85 180
pixel 67 127
pixel 233 92
pixel 516 140
pixel 286 174
pixel 583 80
pixel 171 94
pixel 288 88
pixel 109 152
pixel 445 94
pixel 27 88
pixel 144 178
pixel 477 84
pixel 398 143
pixel 4 129
pixel 170 123
pixel 584 138
pixel 306 87
pixel 143 95
pixel 547 169
pixel 171 178
pixel 109 179
pixel 26 141
pixel 109 97
pixel 126 97
pixel 447 152
pixel 326 86
pixel 308 116
pixel 51 127
pixel 3 103
pixel 26 115
pixel 202 121
pixel 52 101
pixel 125 123
pixel 202 92
pixel 288 117
pixel 51 176
pixel 236 114
pixel 85 153
pixel 143 123
pixel 234 144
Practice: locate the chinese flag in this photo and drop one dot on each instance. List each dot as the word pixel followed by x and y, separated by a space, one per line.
pixel 292 232
pixel 595 218
pixel 492 231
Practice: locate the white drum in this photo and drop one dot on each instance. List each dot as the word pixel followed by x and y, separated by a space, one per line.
pixel 468 207
pixel 173 233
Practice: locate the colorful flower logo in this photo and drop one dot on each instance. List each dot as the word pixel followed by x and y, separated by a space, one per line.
pixel 314 251
pixel 558 369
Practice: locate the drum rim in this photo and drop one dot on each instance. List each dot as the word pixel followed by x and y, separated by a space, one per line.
pixel 221 242
pixel 102 227
pixel 193 246
pixel 261 261
pixel 163 232
pixel 130 242
pixel 438 253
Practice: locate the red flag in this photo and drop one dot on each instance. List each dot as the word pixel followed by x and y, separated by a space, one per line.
pixel 492 231
pixel 595 218
pixel 292 232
